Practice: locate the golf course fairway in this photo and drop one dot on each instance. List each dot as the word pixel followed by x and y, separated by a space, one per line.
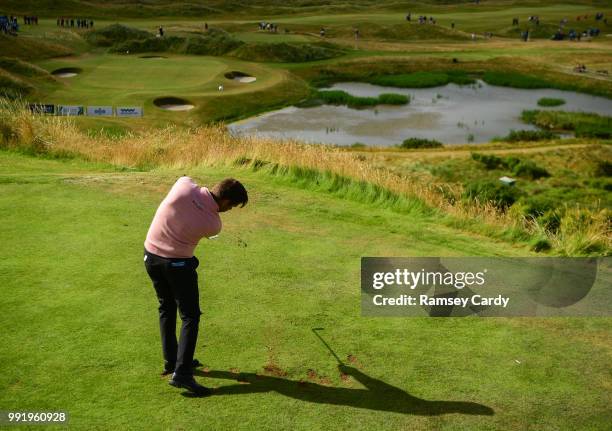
pixel 131 80
pixel 72 259
pixel 361 174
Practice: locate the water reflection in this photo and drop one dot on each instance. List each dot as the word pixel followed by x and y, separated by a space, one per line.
pixel 451 114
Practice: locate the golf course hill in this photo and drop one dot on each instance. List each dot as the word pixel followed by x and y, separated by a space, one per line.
pixel 208 69
pixel 541 225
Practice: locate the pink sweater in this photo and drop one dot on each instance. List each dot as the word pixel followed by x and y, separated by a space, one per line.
pixel 187 214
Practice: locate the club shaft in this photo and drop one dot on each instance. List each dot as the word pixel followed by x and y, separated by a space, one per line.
pixel 328 348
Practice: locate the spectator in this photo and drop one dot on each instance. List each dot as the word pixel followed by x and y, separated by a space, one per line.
pixel 525 35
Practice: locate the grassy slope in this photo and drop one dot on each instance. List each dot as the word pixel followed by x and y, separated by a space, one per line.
pixel 387 42
pixel 160 8
pixel 83 333
pixel 110 80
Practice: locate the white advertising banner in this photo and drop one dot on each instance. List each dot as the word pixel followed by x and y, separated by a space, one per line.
pixel 70 110
pixel 100 111
pixel 129 111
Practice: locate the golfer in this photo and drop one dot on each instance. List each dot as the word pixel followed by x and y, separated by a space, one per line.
pixel 187 214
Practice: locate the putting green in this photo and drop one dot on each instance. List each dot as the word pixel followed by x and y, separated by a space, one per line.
pixel 133 80
pixel 128 79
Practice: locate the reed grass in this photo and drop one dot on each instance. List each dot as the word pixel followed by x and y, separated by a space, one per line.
pixel 325 168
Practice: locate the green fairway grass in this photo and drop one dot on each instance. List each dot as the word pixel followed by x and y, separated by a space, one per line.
pixel 79 314
pixel 288 262
pixel 283 61
pixel 120 79
pixel 130 80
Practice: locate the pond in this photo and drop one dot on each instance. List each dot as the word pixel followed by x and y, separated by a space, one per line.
pixel 451 114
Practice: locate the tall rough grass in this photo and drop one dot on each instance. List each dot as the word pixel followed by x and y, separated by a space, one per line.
pixel 315 166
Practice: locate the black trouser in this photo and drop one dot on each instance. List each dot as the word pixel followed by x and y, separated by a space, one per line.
pixel 176 284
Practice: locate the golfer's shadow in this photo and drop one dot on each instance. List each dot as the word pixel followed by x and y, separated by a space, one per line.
pixel 378 395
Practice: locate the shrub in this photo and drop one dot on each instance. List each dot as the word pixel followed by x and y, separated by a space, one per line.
pixel 511 161
pixel 515 80
pixel 550 101
pixel 520 168
pixel 540 244
pixel 528 135
pixel 422 79
pixel 550 220
pixel 121 39
pixel 601 131
pixel 498 194
pixel 339 97
pixel 115 33
pixel 584 124
pixel 528 169
pixel 412 80
pixel 420 143
pixel 287 52
pixel 214 42
pixel 603 168
pixel 538 205
pixel 393 99
pixel 151 44
pixel 489 161
pixel 459 77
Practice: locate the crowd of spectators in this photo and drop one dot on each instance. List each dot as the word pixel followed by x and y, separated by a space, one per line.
pixel 268 26
pixel 9 25
pixel 70 22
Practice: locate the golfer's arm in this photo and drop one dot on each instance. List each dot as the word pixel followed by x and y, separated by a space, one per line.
pixel 367 381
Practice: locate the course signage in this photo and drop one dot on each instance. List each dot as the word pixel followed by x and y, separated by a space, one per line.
pixel 70 110
pixel 91 111
pixel 129 111
pixel 40 108
pixel 100 111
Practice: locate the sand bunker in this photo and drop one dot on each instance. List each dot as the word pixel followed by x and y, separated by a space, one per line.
pixel 66 72
pixel 173 104
pixel 152 56
pixel 240 77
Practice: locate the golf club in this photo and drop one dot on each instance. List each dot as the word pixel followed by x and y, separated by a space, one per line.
pixel 314 330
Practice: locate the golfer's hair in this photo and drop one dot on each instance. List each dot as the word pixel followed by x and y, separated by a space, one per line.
pixel 231 189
